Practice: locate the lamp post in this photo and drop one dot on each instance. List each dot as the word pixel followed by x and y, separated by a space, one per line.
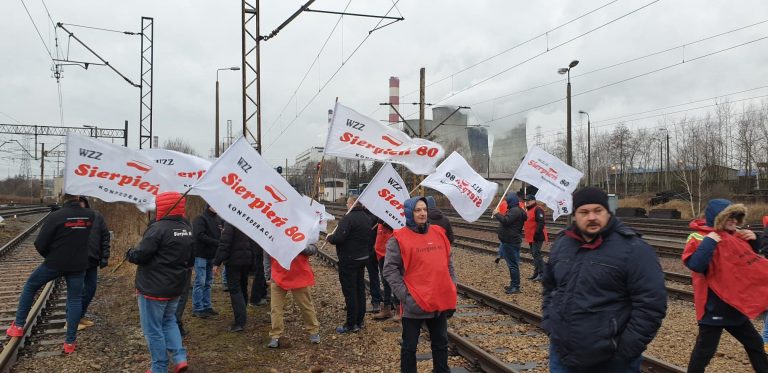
pixel 561 71
pixel 589 154
pixel 666 174
pixel 233 68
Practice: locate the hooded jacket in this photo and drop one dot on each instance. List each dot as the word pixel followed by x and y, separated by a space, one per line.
pixel 165 255
pixel 353 237
pixel 436 217
pixel 511 224
pixel 207 229
pixel 602 299
pixel 63 239
pixel 394 270
pixel 723 270
pixel 99 240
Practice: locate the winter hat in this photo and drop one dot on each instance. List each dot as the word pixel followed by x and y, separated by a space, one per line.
pixel 588 196
pixel 408 207
pixel 165 201
pixel 512 200
pixel 530 197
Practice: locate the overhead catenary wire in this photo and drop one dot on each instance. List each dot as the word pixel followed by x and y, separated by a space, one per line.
pixel 629 78
pixel 37 30
pixel 103 29
pixel 343 63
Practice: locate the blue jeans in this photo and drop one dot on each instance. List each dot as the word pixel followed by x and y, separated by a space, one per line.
pixel 201 291
pixel 89 287
pixel 765 329
pixel 511 254
pixel 158 323
pixel 610 366
pixel 37 280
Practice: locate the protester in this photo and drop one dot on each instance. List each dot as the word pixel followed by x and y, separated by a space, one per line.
pixel 297 279
pixel 237 252
pixel 419 269
pixel 436 217
pixel 510 234
pixel 535 234
pixel 604 293
pixel 730 283
pixel 63 242
pixel 259 284
pixel 207 229
pixel 352 239
pixel 383 234
pixel 372 266
pixel 164 258
pixel 98 257
pixel 502 210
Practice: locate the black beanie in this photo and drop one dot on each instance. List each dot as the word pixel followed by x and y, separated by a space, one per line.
pixel 590 195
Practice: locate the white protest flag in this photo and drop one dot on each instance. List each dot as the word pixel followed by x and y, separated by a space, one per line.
pixel 385 195
pixel 356 136
pixel 247 193
pixel 182 170
pixel 469 193
pixel 112 173
pixel 322 216
pixel 555 180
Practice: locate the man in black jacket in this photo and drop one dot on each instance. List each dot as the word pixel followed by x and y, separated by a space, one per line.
pixel 63 242
pixel 604 294
pixel 164 258
pixel 207 230
pixel 352 238
pixel 511 234
pixel 98 257
pixel 239 253
pixel 436 217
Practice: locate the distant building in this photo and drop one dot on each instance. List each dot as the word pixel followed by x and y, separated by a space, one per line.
pixel 312 155
pixel 333 189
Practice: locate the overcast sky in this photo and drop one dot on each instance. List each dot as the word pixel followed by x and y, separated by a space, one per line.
pixel 194 38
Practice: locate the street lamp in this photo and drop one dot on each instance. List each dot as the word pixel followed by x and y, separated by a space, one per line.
pixel 666 174
pixel 233 68
pixel 94 131
pixel 589 158
pixel 561 71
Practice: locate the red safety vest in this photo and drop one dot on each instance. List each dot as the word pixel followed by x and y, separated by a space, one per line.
pixel 299 276
pixel 382 236
pixel 736 273
pixel 425 260
pixel 529 227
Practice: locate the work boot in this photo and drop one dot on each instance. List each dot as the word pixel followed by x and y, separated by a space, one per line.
pixel 86 322
pixel 376 307
pixel 512 290
pixel 384 314
pixel 396 317
pixel 537 278
pixel 534 275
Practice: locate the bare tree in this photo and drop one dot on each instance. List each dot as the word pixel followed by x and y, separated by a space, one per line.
pixel 179 145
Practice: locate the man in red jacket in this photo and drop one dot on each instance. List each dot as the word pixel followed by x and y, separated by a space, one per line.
pixel 297 279
pixel 383 234
pixel 535 234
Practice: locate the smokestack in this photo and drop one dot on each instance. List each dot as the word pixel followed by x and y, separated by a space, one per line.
pixel 394 99
pixel 330 115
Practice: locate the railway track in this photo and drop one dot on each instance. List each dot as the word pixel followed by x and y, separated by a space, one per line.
pixel 7 213
pixel 524 328
pixel 44 326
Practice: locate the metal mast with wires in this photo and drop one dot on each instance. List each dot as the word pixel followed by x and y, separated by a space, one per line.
pixel 146 82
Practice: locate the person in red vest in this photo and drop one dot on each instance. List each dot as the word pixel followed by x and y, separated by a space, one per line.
pixel 298 279
pixel 383 234
pixel 502 210
pixel 419 269
pixel 730 283
pixel 535 234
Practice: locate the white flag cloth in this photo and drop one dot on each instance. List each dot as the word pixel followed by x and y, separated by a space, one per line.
pixel 322 215
pixel 555 180
pixel 112 173
pixel 469 193
pixel 182 170
pixel 356 136
pixel 385 195
pixel 247 193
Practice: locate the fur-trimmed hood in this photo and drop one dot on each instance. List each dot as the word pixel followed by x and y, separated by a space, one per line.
pixel 719 210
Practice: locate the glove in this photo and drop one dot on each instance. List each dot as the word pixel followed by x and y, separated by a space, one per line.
pixel 103 262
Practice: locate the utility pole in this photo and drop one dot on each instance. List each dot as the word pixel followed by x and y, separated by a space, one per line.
pixel 422 79
pixel 42 173
pixel 666 175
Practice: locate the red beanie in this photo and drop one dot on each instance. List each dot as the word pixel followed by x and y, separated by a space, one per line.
pixel 165 201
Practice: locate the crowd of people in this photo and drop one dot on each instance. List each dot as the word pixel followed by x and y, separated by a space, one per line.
pixel 604 295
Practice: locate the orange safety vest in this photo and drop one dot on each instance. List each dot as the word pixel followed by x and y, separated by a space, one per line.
pixel 736 273
pixel 425 260
pixel 299 276
pixel 382 236
pixel 529 227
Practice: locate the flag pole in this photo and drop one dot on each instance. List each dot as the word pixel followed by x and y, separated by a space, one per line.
pixel 315 186
pixel 164 215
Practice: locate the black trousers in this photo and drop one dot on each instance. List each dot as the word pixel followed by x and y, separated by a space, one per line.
pixel 237 283
pixel 372 266
pixel 351 276
pixel 259 287
pixel 390 299
pixel 438 335
pixel 709 338
pixel 183 300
